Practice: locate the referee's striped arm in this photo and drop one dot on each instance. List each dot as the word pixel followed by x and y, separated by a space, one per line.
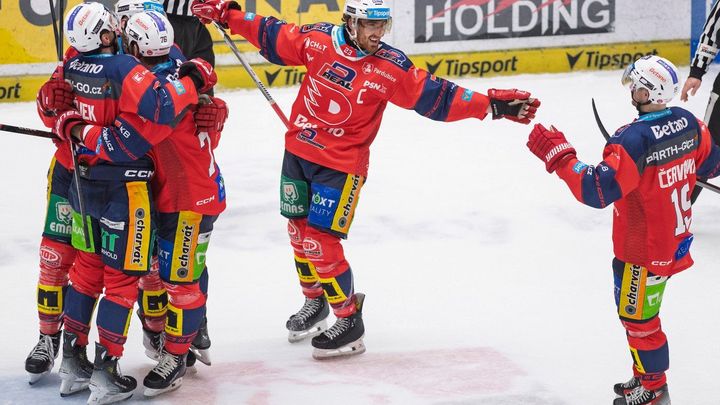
pixel 708 45
pixel 178 7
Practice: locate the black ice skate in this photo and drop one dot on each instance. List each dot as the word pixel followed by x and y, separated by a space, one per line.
pixel 42 357
pixel 166 376
pixel 345 338
pixel 309 321
pixel 201 344
pixel 623 388
pixel 153 343
pixel 75 369
pixel 641 396
pixel 107 384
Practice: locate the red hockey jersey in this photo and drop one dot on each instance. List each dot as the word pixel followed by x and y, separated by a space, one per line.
pixel 649 170
pixel 338 111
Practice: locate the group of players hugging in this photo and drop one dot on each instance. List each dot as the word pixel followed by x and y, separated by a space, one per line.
pixel 134 189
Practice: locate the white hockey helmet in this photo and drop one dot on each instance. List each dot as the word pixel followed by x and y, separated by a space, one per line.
pixel 127 8
pixel 368 9
pixel 151 31
pixel 84 24
pixel 658 75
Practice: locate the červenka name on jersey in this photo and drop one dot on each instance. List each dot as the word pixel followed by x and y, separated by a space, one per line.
pixel 670 128
pixel 85 67
pixel 680 172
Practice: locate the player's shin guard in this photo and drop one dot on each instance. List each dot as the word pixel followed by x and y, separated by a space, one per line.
pixel 113 321
pixel 55 261
pixel 649 350
pixel 79 309
pixel 326 254
pixel 152 302
pixel 182 326
pixel 307 274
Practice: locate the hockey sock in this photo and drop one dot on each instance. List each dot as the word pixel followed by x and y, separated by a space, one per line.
pixel 152 301
pixel 113 321
pixel 78 314
pixel 55 261
pixel 181 327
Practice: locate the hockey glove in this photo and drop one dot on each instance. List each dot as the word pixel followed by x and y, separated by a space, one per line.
pixel 550 146
pixel 513 104
pixel 55 96
pixel 201 72
pixel 214 10
pixel 210 117
pixel 65 123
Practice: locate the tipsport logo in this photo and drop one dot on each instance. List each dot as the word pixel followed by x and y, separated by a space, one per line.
pixel 585 59
pixel 456 20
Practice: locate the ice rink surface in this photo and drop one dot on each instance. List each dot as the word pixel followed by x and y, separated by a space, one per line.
pixel 486 282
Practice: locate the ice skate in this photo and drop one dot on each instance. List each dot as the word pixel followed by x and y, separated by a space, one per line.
pixel 640 396
pixel 345 338
pixel 42 357
pixel 623 388
pixel 153 343
pixel 166 376
pixel 75 369
pixel 107 384
pixel 309 321
pixel 201 344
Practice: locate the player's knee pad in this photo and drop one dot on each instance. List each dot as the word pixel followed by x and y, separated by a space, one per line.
pixel 185 295
pixel 113 320
pixel 120 288
pixel 325 252
pixel 56 258
pixel 296 232
pixel 181 327
pixel 86 274
pixel 79 309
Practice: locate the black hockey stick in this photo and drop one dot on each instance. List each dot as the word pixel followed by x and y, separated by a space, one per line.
pixel 252 74
pixel 58 31
pixel 605 134
pixel 28 131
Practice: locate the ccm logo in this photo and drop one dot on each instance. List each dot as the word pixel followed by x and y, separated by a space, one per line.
pixel 661 263
pixel 142 174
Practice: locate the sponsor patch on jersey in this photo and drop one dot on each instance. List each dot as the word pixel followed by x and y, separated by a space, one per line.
pixel 323 205
pixel 684 247
pixel 393 55
pixel 249 16
pixel 178 87
pixel 579 167
pixel 467 95
pixel 322 27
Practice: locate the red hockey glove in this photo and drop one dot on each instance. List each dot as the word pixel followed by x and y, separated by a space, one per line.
pixel 56 95
pixel 210 117
pixel 214 10
pixel 550 146
pixel 201 72
pixel 513 104
pixel 65 123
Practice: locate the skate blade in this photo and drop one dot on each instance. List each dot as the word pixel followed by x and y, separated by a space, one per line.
pixel 351 349
pixel 35 377
pixel 152 392
pixel 202 355
pixel 298 336
pixel 101 398
pixel 70 387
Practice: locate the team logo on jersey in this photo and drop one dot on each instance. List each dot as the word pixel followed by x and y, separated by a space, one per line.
pixel 338 74
pixel 392 55
pixel 367 68
pixel 326 103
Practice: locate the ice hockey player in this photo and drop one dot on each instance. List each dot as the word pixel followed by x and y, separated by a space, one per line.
pixel 189 195
pixel 152 296
pixel 351 77
pixel 704 56
pixel 116 99
pixel 649 169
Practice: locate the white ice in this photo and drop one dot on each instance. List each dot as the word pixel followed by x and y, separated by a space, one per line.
pixel 486 282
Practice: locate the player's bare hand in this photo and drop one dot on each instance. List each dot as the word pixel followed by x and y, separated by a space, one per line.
pixel 691 86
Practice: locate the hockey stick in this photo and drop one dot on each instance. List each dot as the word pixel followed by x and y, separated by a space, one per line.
pixel 605 134
pixel 58 30
pixel 252 74
pixel 28 131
